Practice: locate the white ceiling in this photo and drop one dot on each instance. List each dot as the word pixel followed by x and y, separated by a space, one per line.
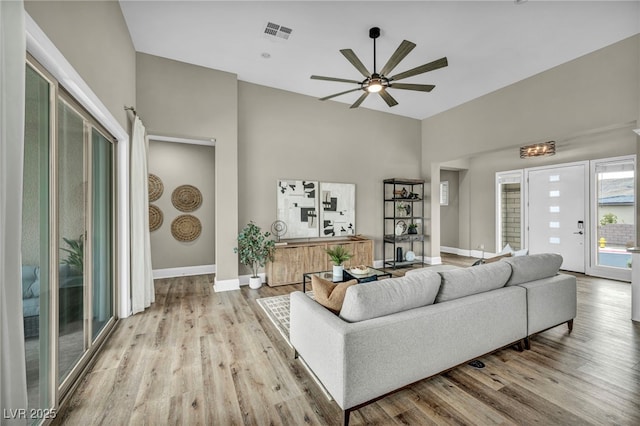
pixel 489 44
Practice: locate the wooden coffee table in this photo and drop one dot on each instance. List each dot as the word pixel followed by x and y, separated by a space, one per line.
pixel 372 275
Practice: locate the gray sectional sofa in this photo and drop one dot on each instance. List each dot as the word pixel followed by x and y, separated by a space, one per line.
pixel 397 331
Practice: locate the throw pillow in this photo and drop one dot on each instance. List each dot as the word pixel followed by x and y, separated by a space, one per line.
pixel 328 294
pixel 506 249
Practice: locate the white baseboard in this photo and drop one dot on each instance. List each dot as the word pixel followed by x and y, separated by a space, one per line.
pixel 244 279
pixel 468 253
pixel 436 260
pixel 455 250
pixel 184 271
pixel 226 285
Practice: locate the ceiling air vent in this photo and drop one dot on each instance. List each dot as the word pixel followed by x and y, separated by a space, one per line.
pixel 275 30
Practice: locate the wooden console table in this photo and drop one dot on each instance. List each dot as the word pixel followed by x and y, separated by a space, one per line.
pixel 292 260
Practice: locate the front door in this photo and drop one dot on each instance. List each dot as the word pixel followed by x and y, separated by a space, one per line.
pixel 556 213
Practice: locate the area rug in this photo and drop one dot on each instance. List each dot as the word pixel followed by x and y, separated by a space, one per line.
pixel 277 309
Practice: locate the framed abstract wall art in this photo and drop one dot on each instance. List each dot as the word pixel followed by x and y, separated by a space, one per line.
pixel 312 209
pixel 337 209
pixel 297 203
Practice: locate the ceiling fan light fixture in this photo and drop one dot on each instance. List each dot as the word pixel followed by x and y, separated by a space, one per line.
pixel 375 83
pixel 374 86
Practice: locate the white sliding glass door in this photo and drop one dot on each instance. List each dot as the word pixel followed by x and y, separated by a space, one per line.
pixel 68 242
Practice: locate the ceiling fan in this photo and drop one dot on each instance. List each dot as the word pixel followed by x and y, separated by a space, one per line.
pixel 378 82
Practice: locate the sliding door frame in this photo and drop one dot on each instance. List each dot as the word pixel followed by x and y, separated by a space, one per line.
pixel 57 390
pixel 89 124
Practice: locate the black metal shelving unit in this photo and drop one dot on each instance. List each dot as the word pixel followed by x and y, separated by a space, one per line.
pixel 398 194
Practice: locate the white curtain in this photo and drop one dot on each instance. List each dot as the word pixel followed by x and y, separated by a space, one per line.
pixel 13 377
pixel 142 291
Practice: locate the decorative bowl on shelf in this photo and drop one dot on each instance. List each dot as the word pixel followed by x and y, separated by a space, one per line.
pixel 360 269
pixel 410 256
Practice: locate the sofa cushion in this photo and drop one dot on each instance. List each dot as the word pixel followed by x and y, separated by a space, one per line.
pixel 533 267
pixel 31 307
pixel 29 275
pixel 328 294
pixel 379 298
pixel 35 288
pixel 467 281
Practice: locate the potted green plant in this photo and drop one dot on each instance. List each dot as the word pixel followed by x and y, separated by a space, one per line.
pixel 413 228
pixel 254 249
pixel 338 255
pixel 75 258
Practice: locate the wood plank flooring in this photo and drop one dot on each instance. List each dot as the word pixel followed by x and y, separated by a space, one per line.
pixel 202 358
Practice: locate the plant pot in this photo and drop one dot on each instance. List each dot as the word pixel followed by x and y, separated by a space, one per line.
pixel 255 282
pixel 337 270
pixel 412 231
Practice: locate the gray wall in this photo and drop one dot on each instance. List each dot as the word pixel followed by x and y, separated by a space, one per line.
pixel 179 99
pixel 286 135
pixel 183 164
pixel 569 104
pixel 482 169
pixel 94 38
pixel 449 215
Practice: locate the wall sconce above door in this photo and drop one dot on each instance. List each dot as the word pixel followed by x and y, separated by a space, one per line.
pixel 538 149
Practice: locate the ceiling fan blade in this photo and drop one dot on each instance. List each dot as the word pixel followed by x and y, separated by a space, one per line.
pixel 439 63
pixel 357 103
pixel 419 87
pixel 338 94
pixel 342 80
pixel 388 98
pixel 351 57
pixel 403 50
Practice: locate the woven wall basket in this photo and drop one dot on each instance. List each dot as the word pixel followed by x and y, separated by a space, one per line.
pixel 155 217
pixel 186 198
pixel 156 188
pixel 186 228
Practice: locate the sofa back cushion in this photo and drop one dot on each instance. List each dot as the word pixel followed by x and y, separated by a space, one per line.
pixel 467 281
pixel 379 298
pixel 533 267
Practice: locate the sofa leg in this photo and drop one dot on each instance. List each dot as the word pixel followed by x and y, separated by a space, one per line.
pixel 527 343
pixel 520 345
pixel 295 354
pixel 570 325
pixel 345 417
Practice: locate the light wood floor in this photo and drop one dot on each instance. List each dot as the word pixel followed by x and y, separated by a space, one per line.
pixel 199 357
